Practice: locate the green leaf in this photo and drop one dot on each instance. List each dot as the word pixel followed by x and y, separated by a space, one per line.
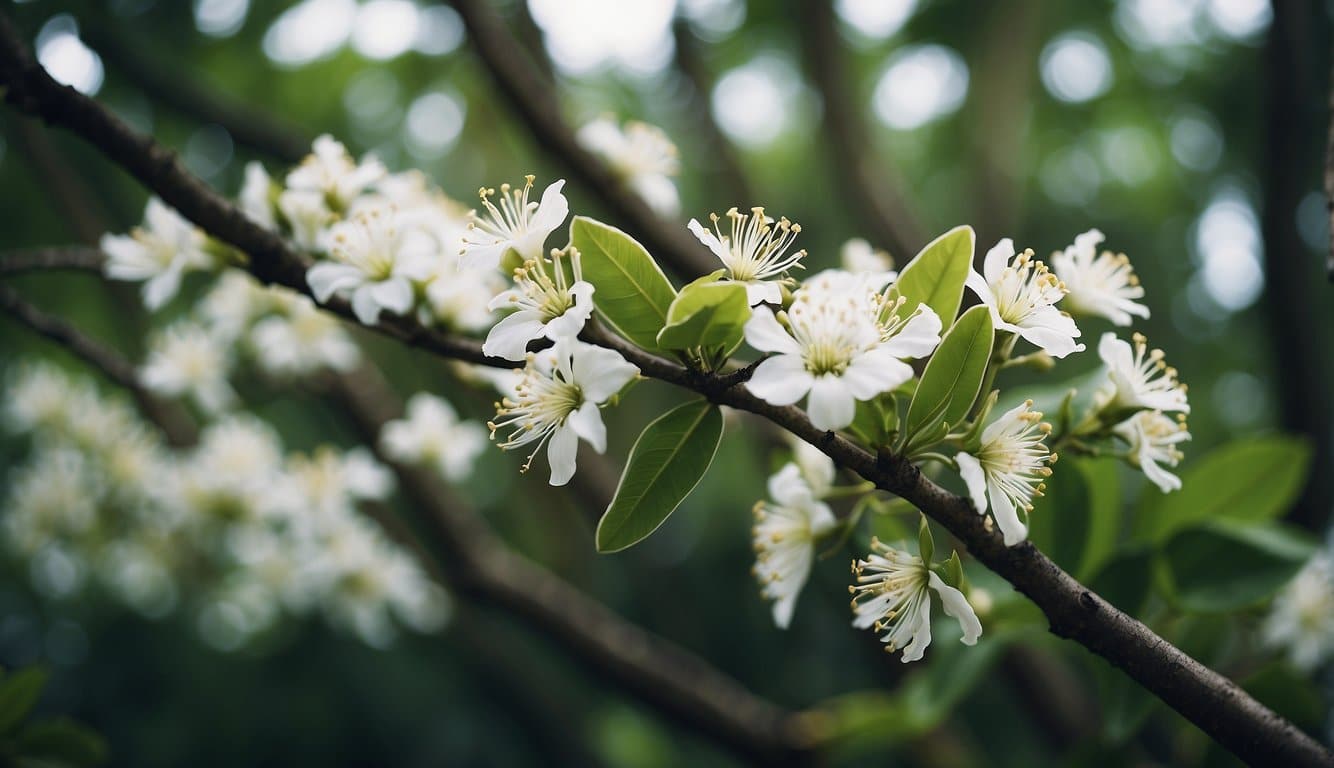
pixel 665 464
pixel 1226 565
pixel 950 382
pixel 61 742
pixel 708 314
pixel 926 545
pixel 631 291
pixel 935 276
pixel 1076 523
pixel 1254 479
pixel 18 694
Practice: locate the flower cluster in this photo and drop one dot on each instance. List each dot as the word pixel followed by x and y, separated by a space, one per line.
pixel 231 530
pixel 1301 620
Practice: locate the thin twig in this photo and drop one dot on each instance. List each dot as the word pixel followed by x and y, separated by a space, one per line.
pixel 723 160
pixel 74 258
pixel 1212 702
pixel 176 424
pixel 874 191
pixel 535 103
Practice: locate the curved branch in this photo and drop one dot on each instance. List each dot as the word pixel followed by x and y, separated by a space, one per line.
pixel 881 208
pixel 679 684
pixel 1211 701
pixel 74 258
pixel 535 103
pixel 176 424
pixel 690 62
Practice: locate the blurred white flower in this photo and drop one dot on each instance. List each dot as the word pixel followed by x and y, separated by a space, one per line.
pixel 185 360
pixel 892 595
pixel 1008 467
pixel 257 195
pixel 1153 440
pixel 233 302
pixel 516 224
pixel 433 434
pixel 53 498
pixel 1022 294
pixel 1098 284
pixel 836 348
pixel 330 172
pixel 303 340
pixel 641 155
pixel 784 537
pixel 557 401
pixel 459 298
pixel 755 253
pixel 37 397
pixel 545 303
pixel 158 253
pixel 1137 378
pixel 308 217
pixel 858 257
pixel 1301 620
pixel 375 262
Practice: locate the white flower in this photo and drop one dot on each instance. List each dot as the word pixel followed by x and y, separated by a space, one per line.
pixel 891 595
pixel 1153 440
pixel 55 496
pixel 459 298
pixel 1008 468
pixel 433 434
pixel 185 360
pixel 331 172
pixel 1137 378
pixel 308 216
pixel 817 469
pixel 642 155
pixel 233 302
pixel 1022 298
pixel 302 341
pixel 755 253
pixel 836 348
pixel 256 198
pixel 160 252
pixel 375 262
pixel 545 303
pixel 857 256
pixel 1099 284
pixel 1302 617
pixel 557 401
pixel 784 536
pixel 38 396
pixel 517 224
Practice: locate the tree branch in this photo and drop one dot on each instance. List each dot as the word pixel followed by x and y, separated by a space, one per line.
pixel 1294 292
pixel 872 181
pixel 247 126
pixel 75 258
pixel 1215 704
pixel 690 62
pixel 677 683
pixel 535 103
pixel 176 424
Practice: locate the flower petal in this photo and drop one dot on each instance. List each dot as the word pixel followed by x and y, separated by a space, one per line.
pixel 509 338
pixel 562 451
pixel 831 405
pixel 765 333
pixel 957 606
pixel 587 423
pixel 600 372
pixel 970 469
pixel 781 380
